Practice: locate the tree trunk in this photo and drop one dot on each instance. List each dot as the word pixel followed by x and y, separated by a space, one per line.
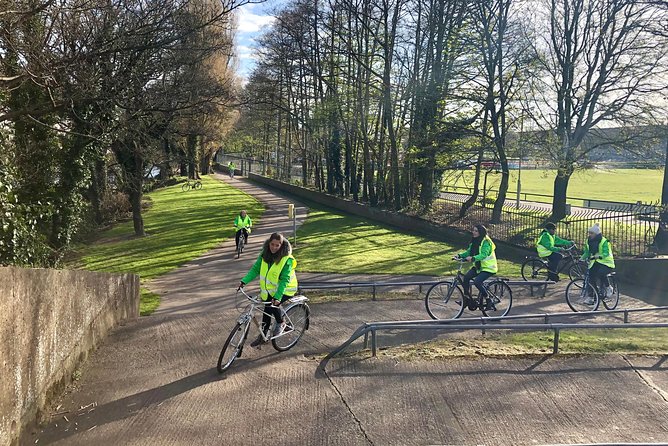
pixel 137 219
pixel 476 184
pixel 503 189
pixel 662 233
pixel 559 198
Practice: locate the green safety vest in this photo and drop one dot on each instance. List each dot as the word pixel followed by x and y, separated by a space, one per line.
pixel 489 263
pixel 269 277
pixel 542 250
pixel 241 223
pixel 607 261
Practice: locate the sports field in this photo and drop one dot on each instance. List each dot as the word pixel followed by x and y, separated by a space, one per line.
pixel 623 185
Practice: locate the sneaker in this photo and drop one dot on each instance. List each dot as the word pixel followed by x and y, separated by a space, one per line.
pixel 589 300
pixel 279 329
pixel 258 341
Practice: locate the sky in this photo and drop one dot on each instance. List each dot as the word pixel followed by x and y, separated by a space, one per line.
pixel 253 19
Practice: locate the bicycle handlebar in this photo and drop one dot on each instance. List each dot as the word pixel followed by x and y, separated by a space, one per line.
pixel 253 299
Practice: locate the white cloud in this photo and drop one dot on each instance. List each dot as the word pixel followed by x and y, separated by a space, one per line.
pixel 252 23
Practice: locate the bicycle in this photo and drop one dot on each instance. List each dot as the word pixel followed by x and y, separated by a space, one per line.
pixel 536 268
pixel 242 242
pixel 582 295
pixel 295 314
pixel 445 299
pixel 195 184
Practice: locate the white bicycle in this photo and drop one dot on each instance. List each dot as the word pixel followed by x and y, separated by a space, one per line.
pixel 296 314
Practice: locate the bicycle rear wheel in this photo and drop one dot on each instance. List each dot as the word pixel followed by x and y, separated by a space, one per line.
pixel 580 298
pixel 501 297
pixel 534 269
pixel 444 300
pixel 576 271
pixel 611 302
pixel 233 347
pixel 297 322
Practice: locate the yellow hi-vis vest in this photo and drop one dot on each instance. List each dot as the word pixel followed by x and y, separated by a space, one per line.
pixel 542 250
pixel 607 261
pixel 489 263
pixel 269 277
pixel 241 223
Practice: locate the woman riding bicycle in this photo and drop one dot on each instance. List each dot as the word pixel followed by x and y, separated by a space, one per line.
pixel 548 247
pixel 276 268
pixel 481 251
pixel 243 224
pixel 598 253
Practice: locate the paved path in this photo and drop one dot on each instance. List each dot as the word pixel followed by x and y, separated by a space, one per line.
pixel 154 382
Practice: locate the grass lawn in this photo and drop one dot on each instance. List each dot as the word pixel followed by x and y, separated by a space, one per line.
pixel 180 226
pixel 334 242
pixel 633 341
pixel 625 185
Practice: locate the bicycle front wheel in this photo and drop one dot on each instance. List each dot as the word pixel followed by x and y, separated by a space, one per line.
pixel 611 302
pixel 185 187
pixel 297 322
pixel 534 269
pixel 240 246
pixel 233 347
pixel 500 299
pixel 580 298
pixel 444 300
pixel 197 185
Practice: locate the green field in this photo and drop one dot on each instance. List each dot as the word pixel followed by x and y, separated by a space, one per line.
pixel 180 226
pixel 334 242
pixel 623 185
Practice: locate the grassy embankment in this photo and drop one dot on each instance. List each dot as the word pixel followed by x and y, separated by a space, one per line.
pixel 180 226
pixel 623 185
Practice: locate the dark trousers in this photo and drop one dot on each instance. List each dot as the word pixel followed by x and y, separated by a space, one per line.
pixel 479 279
pixel 269 311
pixel 553 262
pixel 598 274
pixel 245 232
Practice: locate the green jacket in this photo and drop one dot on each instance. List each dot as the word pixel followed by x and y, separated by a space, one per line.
pixel 545 240
pixel 283 277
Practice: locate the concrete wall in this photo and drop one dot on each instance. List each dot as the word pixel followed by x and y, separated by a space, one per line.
pixel 49 321
pixel 396 219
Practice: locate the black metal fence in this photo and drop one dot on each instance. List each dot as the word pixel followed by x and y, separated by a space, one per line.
pixel 631 228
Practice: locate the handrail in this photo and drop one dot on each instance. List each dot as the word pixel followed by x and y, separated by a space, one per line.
pixel 452 324
pixel 324 285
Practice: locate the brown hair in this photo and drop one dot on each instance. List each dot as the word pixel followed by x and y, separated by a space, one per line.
pixel 285 250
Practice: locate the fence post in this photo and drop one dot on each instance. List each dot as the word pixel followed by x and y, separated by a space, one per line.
pixel 373 297
pixel 483 325
pixel 373 342
pixel 626 316
pixel 555 348
pixel 366 339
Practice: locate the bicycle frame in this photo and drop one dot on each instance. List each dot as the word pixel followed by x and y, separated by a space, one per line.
pixel 250 314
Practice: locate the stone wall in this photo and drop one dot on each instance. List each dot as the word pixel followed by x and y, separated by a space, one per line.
pixel 49 321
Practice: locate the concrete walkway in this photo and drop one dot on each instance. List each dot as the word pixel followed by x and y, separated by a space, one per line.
pixel 155 383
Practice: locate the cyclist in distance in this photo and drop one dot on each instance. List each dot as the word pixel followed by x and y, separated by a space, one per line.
pixel 243 225
pixel 481 252
pixel 548 247
pixel 601 262
pixel 276 267
pixel 231 167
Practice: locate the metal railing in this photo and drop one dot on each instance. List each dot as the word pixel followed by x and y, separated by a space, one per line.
pixel 303 286
pixel 484 325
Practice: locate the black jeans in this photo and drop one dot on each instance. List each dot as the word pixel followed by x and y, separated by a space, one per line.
pixel 269 311
pixel 553 262
pixel 479 279
pixel 598 274
pixel 245 232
